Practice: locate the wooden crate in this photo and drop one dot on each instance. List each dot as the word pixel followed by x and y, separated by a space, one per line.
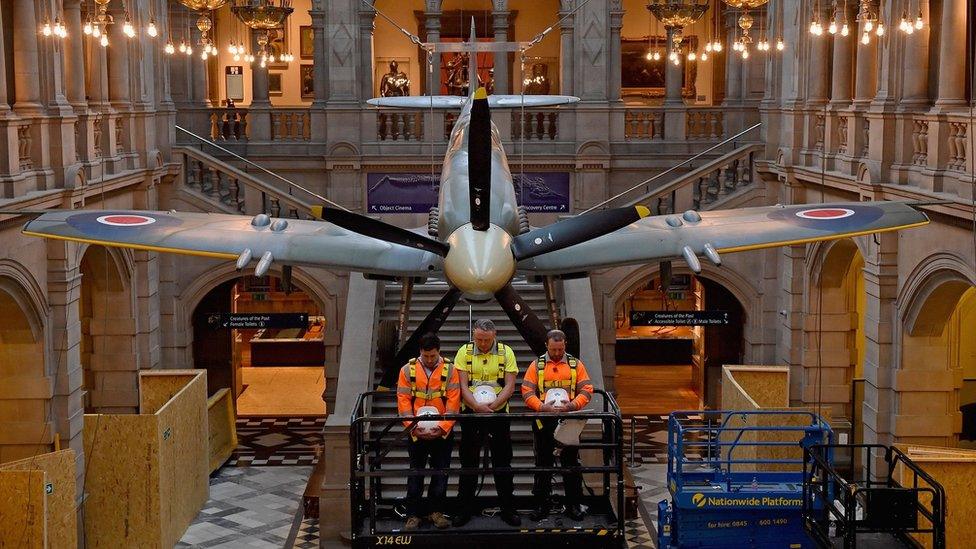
pixel 37 501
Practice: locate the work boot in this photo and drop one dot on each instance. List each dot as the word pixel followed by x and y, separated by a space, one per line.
pixel 412 523
pixel 461 519
pixel 510 517
pixel 439 520
pixel 541 512
pixel 574 511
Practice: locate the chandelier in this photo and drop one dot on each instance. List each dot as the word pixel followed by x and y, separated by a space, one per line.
pixel 203 5
pixel 677 14
pixel 746 4
pixel 264 17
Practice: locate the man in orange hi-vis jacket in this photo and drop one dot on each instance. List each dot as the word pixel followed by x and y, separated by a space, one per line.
pixel 428 384
pixel 553 371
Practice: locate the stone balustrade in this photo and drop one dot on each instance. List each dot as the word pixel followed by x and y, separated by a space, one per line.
pixel 535 125
pixel 704 123
pixel 643 124
pixel 230 124
pixel 291 125
pixel 407 125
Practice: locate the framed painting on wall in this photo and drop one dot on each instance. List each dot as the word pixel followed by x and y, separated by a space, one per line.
pixel 308 81
pixel 278 41
pixel 274 84
pixel 643 77
pixel 306 42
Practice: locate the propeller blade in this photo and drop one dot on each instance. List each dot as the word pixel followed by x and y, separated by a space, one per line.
pixel 532 329
pixel 574 230
pixel 379 230
pixel 479 161
pixel 430 324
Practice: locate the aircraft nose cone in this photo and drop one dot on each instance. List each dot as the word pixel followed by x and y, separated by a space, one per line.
pixel 479 262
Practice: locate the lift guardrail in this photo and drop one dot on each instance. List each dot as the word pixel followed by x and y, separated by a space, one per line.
pixel 374 437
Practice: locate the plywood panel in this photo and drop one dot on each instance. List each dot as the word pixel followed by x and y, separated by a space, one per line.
pixel 955 470
pixel 22 509
pixel 156 388
pixel 61 518
pixel 184 462
pixel 222 422
pixel 767 386
pixel 122 481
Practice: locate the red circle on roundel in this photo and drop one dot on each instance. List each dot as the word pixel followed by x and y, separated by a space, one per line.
pixel 126 220
pixel 825 213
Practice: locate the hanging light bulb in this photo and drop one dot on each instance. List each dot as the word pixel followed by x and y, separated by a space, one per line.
pixel 204 55
pixel 104 41
pixel 59 29
pixel 868 25
pixel 189 49
pixel 704 57
pixel 96 31
pixel 692 56
pixel 832 28
pixel 880 30
pixel 657 56
pixel 262 63
pixel 649 55
pixel 910 29
pixel 745 53
pixel 237 57
pixel 813 26
pixel 717 47
pixel 87 29
pixel 127 27
pixel 903 24
pixel 918 21
pixel 780 45
pixel 865 39
pixel 845 30
pixel 182 46
pixel 151 30
pixel 46 28
pixel 169 49
pixel 708 46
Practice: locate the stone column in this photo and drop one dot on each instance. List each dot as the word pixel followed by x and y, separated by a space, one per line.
pixel 672 77
pixel 198 73
pixel 616 22
pixel 817 75
pixel 74 55
pixel 320 57
pixel 27 83
pixel 840 84
pixel 259 79
pixel 566 47
pixel 367 26
pixel 915 79
pixel 118 65
pixel 503 68
pixel 952 58
pixel 733 67
pixel 4 100
pixel 866 81
pixel 432 23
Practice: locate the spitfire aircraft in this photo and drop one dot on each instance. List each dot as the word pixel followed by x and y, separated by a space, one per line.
pixel 478 247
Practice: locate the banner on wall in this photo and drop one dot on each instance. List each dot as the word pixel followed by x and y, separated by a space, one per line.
pixel 388 193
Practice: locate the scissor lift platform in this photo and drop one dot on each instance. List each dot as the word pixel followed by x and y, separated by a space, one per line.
pixel 736 479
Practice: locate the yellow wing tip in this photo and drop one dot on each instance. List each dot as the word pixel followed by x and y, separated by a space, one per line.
pixel 643 211
pixel 481 93
pixel 317 212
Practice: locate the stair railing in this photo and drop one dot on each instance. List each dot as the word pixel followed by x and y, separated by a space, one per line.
pixel 649 194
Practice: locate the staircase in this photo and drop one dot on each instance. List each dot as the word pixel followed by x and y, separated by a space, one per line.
pixel 454 334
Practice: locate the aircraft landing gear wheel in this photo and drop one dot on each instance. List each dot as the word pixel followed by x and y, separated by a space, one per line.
pixel 570 327
pixel 386 349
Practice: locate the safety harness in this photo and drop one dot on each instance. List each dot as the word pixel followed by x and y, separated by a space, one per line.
pixel 428 394
pixel 543 385
pixel 499 379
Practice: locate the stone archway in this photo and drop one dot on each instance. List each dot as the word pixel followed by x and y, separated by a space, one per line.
pixel 833 343
pixel 23 406
pixel 716 289
pixel 109 353
pixel 936 352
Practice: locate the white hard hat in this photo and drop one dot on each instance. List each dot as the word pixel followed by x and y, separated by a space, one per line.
pixel 427 411
pixel 557 396
pixel 484 394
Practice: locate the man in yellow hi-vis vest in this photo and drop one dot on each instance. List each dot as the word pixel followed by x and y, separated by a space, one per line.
pixel 487 372
pixel 564 373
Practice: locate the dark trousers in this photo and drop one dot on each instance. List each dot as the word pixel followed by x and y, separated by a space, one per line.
pixel 497 434
pixel 569 457
pixel 438 453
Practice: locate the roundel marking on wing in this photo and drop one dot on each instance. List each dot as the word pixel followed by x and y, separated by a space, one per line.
pixel 825 213
pixel 125 220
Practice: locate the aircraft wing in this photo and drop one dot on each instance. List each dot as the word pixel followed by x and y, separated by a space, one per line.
pixel 300 242
pixel 725 231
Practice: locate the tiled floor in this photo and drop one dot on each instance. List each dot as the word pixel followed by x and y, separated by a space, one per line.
pixel 277 440
pixel 249 507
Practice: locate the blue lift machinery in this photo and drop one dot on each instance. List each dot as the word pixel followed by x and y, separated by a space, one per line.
pixel 775 479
